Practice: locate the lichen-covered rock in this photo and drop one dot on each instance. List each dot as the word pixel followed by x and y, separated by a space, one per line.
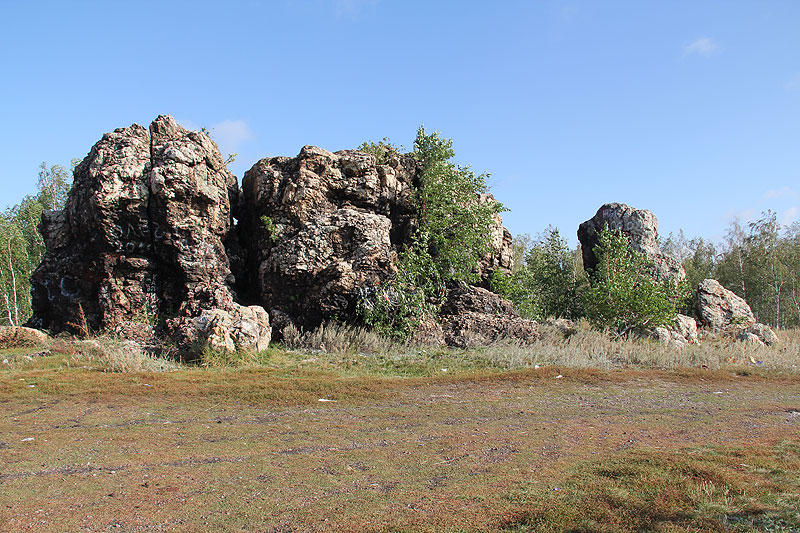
pixel 101 242
pixel 237 327
pixel 641 229
pixel 142 234
pixel 320 228
pixel 474 316
pixel 764 333
pixel 502 255
pixel 686 327
pixel 720 309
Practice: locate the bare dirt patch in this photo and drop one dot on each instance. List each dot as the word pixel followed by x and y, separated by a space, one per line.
pixel 423 455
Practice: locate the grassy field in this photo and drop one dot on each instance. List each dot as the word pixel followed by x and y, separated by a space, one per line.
pixel 410 440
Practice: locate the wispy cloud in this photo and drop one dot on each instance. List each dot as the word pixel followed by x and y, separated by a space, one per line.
pixel 231 134
pixel 773 194
pixel 352 8
pixel 704 46
pixel 790 215
pixel 743 215
pixel 793 83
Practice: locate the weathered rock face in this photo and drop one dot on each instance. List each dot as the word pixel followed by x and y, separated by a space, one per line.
pixel 147 246
pixel 640 227
pixel 502 255
pixel 474 316
pixel 322 230
pixel 721 309
pixel 141 235
pixel 319 228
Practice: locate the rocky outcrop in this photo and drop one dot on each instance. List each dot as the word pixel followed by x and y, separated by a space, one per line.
pixel 474 316
pixel 148 245
pixel 720 309
pixel 322 230
pixel 502 255
pixel 641 229
pixel 141 236
pixel 319 229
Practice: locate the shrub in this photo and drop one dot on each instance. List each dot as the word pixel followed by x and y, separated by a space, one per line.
pixel 452 236
pixel 623 295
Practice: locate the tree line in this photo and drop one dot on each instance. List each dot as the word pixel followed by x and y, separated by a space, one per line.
pixel 759 261
pixel 21 244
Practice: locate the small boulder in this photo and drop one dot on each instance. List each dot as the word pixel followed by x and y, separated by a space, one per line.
pixel 474 316
pixel 764 333
pixel 239 327
pixel 721 309
pixel 21 336
pixel 751 339
pixel 686 327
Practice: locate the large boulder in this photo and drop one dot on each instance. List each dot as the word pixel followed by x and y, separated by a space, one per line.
pixel 720 309
pixel 142 234
pixel 321 228
pixel 474 316
pixel 641 229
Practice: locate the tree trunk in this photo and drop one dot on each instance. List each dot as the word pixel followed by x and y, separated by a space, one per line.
pixel 13 286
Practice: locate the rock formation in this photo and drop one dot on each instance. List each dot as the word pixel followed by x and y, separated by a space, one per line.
pixel 319 229
pixel 142 237
pixel 720 309
pixel 640 227
pixel 149 245
pixel 723 311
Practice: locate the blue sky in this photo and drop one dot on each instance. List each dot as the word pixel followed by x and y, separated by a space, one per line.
pixel 690 109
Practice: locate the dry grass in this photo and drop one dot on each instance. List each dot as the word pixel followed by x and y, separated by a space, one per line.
pixel 333 337
pixel 337 350
pixel 106 354
pixel 587 348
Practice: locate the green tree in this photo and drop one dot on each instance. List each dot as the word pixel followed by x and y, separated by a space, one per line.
pixel 547 284
pixel 700 262
pixel 53 186
pixel 454 223
pixel 21 245
pixel 760 263
pixel 623 295
pixel 520 245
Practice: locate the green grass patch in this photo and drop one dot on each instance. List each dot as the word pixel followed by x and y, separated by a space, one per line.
pixel 704 489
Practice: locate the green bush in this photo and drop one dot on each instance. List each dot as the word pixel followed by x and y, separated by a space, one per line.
pixel 452 236
pixel 623 295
